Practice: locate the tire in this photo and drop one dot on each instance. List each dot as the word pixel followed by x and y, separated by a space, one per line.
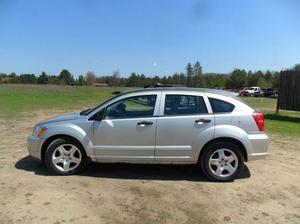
pixel 65 157
pixel 222 161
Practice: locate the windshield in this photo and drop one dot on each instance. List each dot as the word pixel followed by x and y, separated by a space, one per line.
pixel 90 110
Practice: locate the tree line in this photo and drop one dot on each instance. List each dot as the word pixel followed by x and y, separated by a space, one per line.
pixel 192 77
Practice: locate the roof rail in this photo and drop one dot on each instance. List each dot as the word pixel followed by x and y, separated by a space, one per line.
pixel 164 85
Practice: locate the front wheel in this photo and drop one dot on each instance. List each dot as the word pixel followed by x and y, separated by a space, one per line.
pixel 222 161
pixel 65 156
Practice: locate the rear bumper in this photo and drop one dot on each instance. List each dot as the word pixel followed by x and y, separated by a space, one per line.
pixel 259 146
pixel 34 147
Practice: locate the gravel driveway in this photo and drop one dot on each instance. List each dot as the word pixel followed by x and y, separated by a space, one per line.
pixel 267 192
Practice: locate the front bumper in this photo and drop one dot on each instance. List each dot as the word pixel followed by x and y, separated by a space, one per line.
pixel 259 145
pixel 34 146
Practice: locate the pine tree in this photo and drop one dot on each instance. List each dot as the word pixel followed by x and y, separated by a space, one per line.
pixel 66 77
pixel 197 77
pixel 189 75
pixel 43 78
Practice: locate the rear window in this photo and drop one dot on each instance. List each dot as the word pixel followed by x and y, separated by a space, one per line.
pixel 220 106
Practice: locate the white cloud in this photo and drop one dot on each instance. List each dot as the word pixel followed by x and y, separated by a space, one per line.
pixel 154 64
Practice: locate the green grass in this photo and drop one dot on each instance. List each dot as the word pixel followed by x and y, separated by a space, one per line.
pixel 18 99
pixel 15 99
pixel 285 123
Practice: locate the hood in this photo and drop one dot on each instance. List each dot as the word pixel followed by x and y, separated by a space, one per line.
pixel 64 117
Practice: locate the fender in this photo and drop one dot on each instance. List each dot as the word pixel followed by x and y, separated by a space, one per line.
pixel 235 132
pixel 74 131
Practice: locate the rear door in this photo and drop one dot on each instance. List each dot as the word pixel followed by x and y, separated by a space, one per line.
pixel 185 121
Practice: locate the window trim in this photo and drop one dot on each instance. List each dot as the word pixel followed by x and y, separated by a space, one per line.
pixel 123 96
pixel 163 99
pixel 133 96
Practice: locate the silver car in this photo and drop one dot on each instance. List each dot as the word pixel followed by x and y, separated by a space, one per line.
pixel 156 125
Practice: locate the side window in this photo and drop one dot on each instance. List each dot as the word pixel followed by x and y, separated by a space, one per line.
pixel 184 105
pixel 220 106
pixel 132 107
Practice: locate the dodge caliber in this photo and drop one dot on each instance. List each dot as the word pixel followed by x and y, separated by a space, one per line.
pixel 171 125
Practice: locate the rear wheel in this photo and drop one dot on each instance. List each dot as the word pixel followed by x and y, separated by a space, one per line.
pixel 222 161
pixel 65 156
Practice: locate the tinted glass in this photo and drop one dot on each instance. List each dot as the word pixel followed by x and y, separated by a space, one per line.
pixel 138 106
pixel 184 105
pixel 220 106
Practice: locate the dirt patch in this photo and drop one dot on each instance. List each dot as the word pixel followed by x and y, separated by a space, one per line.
pixel 268 191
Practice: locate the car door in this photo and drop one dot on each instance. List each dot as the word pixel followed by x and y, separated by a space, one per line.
pixel 127 131
pixel 185 122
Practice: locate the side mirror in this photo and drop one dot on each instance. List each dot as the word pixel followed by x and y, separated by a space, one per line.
pixel 98 116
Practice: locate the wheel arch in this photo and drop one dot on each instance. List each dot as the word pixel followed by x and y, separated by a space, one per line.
pixel 50 139
pixel 235 141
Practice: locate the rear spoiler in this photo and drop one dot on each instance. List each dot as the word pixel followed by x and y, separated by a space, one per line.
pixel 116 92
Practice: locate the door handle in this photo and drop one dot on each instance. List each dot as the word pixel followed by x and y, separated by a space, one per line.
pixel 202 121
pixel 144 123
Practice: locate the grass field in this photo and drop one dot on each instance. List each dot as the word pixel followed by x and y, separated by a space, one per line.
pixel 16 100
pixel 284 123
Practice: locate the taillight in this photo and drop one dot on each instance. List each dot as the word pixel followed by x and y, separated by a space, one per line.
pixel 259 119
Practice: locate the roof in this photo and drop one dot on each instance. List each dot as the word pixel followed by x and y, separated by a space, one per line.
pixel 184 89
pixel 181 89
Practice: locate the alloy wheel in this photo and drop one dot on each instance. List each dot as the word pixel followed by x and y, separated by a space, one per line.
pixel 223 162
pixel 66 157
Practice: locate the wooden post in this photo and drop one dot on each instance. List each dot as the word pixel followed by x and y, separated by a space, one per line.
pixel 279 89
pixel 277 107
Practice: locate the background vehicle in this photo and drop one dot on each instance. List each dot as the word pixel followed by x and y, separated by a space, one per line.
pixel 266 92
pixel 242 90
pixel 156 125
pixel 252 91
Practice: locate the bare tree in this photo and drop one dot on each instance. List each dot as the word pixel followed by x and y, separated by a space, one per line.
pixel 115 80
pixel 90 78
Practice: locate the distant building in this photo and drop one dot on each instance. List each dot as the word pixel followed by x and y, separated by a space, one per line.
pixel 6 79
pixel 100 84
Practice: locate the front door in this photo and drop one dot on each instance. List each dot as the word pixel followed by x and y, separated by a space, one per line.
pixel 127 132
pixel 183 124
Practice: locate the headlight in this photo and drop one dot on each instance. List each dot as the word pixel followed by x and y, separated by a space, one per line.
pixel 38 131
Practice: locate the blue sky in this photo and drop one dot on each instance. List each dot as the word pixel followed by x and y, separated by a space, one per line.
pixel 150 36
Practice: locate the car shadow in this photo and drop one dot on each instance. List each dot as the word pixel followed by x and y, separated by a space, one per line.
pixel 128 171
